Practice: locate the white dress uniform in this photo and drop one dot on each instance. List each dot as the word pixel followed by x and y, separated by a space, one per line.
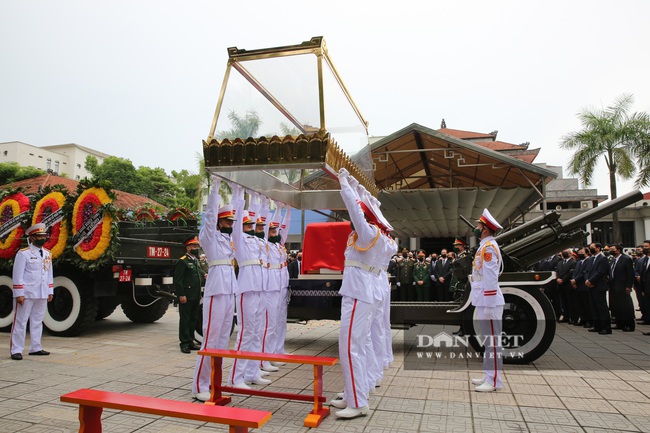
pixel 33 278
pixel 486 296
pixel 362 290
pixel 220 287
pixel 277 265
pixel 250 283
pixel 283 302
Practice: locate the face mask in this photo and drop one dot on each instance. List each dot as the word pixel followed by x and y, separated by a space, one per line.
pixel 456 250
pixel 226 230
pixel 250 232
pixel 606 253
pixel 300 258
pixel 444 256
pixel 275 239
pixel 593 251
pixel 581 256
pixel 477 233
pixel 565 255
pixel 646 251
pixel 259 235
pixel 194 251
pixel 39 242
pixel 406 256
pixel 421 259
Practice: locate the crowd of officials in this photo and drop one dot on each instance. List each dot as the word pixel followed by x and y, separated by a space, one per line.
pixel 594 286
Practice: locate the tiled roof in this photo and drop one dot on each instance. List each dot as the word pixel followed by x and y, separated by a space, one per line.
pixel 464 135
pixel 124 200
pixel 500 145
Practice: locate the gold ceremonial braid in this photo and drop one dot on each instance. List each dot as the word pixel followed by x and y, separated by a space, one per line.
pixel 352 240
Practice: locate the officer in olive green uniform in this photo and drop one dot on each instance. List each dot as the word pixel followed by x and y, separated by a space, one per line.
pixel 405 278
pixel 421 277
pixel 187 284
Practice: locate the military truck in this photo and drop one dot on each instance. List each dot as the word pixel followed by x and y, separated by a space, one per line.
pixel 137 274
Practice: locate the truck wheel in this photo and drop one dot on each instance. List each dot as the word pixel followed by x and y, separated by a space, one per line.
pixel 106 306
pixel 72 309
pixel 148 314
pixel 529 316
pixel 6 303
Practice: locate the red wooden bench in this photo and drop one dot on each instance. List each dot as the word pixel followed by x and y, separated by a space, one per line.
pixel 92 401
pixel 313 419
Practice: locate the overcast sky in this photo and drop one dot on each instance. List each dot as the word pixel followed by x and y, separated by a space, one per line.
pixel 140 79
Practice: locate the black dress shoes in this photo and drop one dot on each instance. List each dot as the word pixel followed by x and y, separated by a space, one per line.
pixel 195 347
pixel 40 353
pixel 578 323
pixel 186 350
pixel 587 325
pixel 16 356
pixel 604 332
pixel 628 329
pixel 594 330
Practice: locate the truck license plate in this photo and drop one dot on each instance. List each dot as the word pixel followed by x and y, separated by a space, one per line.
pixel 125 276
pixel 159 252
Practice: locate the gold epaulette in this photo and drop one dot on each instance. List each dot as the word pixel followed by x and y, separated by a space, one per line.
pixel 184 257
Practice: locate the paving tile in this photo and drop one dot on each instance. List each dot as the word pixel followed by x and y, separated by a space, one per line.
pixel 396 421
pixel 611 421
pixel 553 428
pixel 489 411
pixel 453 409
pixel 445 424
pixel 592 404
pixel 545 401
pixel 406 405
pixel 495 426
pixel 548 416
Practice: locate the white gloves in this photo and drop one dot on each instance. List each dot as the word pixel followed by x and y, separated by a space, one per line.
pixel 343 173
pixel 399 284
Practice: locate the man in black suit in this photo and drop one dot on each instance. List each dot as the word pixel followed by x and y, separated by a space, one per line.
pixel 294 266
pixel 441 271
pixel 639 268
pixel 596 281
pixel 564 272
pixel 549 289
pixel 579 296
pixel 621 280
pixel 644 277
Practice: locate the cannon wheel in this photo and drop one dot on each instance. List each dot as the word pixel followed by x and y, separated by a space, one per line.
pixel 528 313
pixel 72 309
pixel 6 303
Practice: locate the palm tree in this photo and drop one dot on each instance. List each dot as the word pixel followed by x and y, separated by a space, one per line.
pixel 614 135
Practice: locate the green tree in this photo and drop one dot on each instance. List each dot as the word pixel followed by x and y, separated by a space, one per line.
pixel 189 184
pixel 156 185
pixel 612 134
pixel 91 164
pixel 119 172
pixel 12 172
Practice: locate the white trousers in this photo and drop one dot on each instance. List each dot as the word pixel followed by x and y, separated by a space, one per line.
pixel 271 301
pixel 353 338
pixel 34 311
pixel 218 312
pixel 492 360
pixel 376 345
pixel 388 335
pixel 281 326
pixel 249 338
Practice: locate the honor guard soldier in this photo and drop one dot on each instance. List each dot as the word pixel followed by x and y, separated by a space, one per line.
pixel 220 287
pixel 362 291
pixel 187 284
pixel 33 288
pixel 488 300
pixel 250 284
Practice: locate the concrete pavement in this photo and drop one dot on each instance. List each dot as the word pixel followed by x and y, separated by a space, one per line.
pixel 585 383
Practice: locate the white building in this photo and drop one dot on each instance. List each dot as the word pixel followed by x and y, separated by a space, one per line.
pixel 64 159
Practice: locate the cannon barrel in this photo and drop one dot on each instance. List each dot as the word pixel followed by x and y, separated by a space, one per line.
pixel 546 235
pixel 603 209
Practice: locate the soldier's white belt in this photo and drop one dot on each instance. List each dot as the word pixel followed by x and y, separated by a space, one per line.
pixel 258 262
pixel 475 278
pixel 221 262
pixel 277 265
pixel 357 264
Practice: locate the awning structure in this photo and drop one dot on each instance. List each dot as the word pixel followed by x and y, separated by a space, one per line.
pixel 428 179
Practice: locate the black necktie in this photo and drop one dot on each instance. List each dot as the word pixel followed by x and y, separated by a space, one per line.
pixel 41 251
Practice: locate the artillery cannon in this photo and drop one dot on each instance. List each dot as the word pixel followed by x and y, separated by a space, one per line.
pixel 528 314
